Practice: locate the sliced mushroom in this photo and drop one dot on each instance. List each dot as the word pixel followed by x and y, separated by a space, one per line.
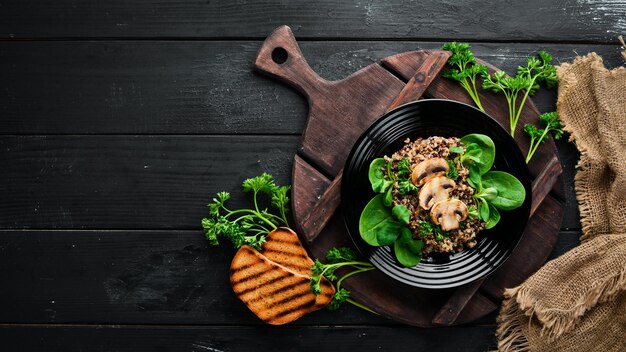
pixel 428 169
pixel 435 190
pixel 449 213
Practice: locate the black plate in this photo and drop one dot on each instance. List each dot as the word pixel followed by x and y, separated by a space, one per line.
pixel 426 118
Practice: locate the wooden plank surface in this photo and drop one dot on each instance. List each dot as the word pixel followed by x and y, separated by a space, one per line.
pixel 245 338
pixel 174 87
pixel 533 20
pixel 119 120
pixel 337 117
pixel 144 182
pixel 78 106
pixel 137 277
pixel 129 182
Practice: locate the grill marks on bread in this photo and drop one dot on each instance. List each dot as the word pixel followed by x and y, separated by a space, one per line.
pixel 284 248
pixel 271 291
pixel 274 284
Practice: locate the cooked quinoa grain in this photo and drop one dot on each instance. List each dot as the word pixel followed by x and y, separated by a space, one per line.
pixel 454 240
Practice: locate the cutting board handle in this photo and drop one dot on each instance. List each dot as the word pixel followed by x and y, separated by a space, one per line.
pixel 280 57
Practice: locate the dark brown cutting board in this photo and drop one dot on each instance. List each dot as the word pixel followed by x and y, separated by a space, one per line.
pixel 339 111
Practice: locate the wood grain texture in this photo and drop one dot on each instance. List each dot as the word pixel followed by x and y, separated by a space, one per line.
pixel 246 338
pixel 449 312
pixel 103 182
pixel 195 87
pixel 89 77
pixel 142 277
pixel 326 205
pixel 529 256
pixel 172 87
pixel 541 187
pixel 533 20
pixel 316 218
pixel 353 102
pixel 545 181
pixel 495 106
pixel 421 71
pixel 409 305
pixel 566 241
pixel 430 64
pixel 139 277
pixel 130 182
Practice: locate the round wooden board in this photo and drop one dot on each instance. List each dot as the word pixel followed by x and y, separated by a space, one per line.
pixel 338 112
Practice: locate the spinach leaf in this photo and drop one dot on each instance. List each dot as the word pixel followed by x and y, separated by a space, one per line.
pixel 488 194
pixel 483 210
pixel 480 151
pixel 377 225
pixel 401 213
pixel 377 176
pixel 388 197
pixel 472 212
pixel 474 178
pixel 389 173
pixel 405 255
pixel 511 192
pixel 456 150
pixel 408 250
pixel 494 217
pixel 405 235
pixel 472 153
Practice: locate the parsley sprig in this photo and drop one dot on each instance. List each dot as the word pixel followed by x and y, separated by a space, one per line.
pixel 248 225
pixel 405 185
pixel 337 258
pixel 538 135
pixel 465 69
pixel 453 172
pixel 527 81
pixel 426 228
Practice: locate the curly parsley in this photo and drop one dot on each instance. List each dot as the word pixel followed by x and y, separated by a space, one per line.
pixel 249 225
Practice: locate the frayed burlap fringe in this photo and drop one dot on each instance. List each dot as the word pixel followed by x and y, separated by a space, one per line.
pixel 511 325
pixel 554 322
pixel 577 302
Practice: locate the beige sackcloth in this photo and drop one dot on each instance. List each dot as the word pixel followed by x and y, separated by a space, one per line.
pixel 577 302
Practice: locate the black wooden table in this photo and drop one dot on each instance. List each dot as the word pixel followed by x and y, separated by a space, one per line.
pixel 119 120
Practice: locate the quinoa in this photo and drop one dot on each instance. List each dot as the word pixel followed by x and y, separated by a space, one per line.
pixel 454 240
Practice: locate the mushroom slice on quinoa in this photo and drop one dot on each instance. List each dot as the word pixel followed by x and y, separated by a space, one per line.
pixel 429 168
pixel 435 190
pixel 449 213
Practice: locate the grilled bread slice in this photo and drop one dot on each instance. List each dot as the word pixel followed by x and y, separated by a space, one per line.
pixel 283 247
pixel 272 292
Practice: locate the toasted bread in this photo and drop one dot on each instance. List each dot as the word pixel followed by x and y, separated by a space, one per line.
pixel 283 247
pixel 272 292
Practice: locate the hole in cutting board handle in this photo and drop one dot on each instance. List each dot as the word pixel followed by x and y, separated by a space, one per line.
pixel 279 55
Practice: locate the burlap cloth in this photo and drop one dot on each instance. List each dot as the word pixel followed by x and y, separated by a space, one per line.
pixel 577 302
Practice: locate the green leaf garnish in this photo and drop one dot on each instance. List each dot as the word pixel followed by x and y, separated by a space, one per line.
pixel 247 226
pixel 538 136
pixel 527 81
pixel 401 213
pixel 464 69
